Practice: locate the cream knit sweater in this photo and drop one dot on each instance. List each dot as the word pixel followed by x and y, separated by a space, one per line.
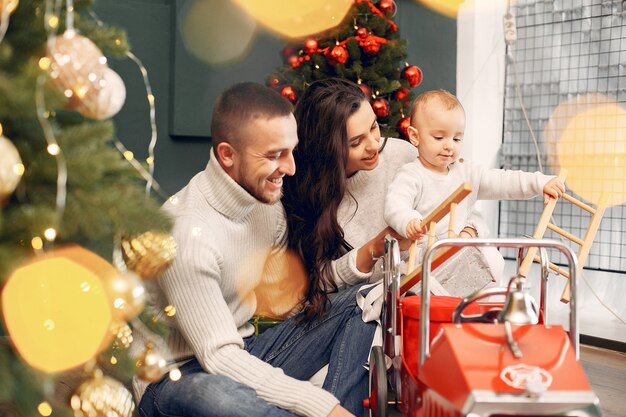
pixel 360 213
pixel 224 237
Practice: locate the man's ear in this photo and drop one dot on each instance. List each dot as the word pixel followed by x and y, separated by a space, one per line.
pixel 225 154
pixel 414 136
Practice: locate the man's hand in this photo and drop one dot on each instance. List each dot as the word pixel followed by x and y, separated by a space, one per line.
pixel 339 411
pixel 414 229
pixel 554 188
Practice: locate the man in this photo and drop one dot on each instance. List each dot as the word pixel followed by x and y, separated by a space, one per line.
pixel 230 233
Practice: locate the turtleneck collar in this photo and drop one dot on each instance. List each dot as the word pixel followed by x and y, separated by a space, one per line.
pixel 223 193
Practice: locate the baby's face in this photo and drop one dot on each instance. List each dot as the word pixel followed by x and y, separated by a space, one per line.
pixel 438 133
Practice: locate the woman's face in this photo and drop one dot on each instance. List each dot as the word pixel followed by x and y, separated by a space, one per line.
pixel 363 140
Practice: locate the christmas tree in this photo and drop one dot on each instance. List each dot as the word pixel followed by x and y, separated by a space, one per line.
pixel 366 49
pixel 71 199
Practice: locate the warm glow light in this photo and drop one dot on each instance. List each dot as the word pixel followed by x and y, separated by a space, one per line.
pixel 19 169
pixel 297 18
pixel 44 409
pixel 129 155
pixel 53 22
pixel 52 300
pixel 589 137
pixel 53 149
pixel 216 31
pixel 175 374
pixel 170 310
pixel 448 8
pixel 50 234
pixel 44 63
pixel 36 243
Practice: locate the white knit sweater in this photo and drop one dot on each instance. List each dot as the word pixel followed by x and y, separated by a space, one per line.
pixel 417 191
pixel 361 211
pixel 223 238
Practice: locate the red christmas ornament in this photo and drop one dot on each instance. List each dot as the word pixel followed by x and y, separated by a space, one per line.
pixel 402 93
pixel 310 46
pixel 293 61
pixel 289 93
pixel 381 108
pixel 273 81
pixel 362 33
pixel 338 55
pixel 413 75
pixel 370 46
pixel 387 6
pixel 367 91
pixel 288 51
pixel 403 127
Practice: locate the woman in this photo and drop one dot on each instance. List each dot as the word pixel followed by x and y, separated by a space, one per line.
pixel 334 202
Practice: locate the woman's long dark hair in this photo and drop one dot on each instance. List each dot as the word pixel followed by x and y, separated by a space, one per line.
pixel 312 196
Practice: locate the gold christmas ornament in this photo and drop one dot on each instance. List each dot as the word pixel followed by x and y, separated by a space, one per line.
pixel 109 99
pixel 102 396
pixel 151 366
pixel 127 295
pixel 11 167
pixel 149 254
pixel 77 66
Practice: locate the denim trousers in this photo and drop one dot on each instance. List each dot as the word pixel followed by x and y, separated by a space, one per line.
pixel 340 339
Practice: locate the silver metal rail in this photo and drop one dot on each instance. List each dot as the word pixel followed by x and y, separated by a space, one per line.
pixel 424 348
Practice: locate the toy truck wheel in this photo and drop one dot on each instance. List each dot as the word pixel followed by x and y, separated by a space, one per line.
pixel 378 383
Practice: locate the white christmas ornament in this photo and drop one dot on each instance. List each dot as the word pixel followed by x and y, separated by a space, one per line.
pixel 11 167
pixel 109 100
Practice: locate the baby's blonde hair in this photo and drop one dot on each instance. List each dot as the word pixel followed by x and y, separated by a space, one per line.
pixel 444 97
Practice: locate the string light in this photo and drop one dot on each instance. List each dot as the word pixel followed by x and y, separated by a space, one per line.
pixel 36 243
pixel 44 409
pixel 175 374
pixel 151 184
pixel 50 234
pixel 170 311
pixel 113 360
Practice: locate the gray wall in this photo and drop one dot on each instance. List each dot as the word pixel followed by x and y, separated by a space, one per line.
pixel 150 25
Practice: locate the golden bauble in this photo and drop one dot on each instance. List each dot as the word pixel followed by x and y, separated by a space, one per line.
pixel 149 254
pixel 102 396
pixel 151 365
pixel 11 167
pixel 127 295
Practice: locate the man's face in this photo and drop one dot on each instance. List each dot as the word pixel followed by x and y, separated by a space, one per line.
pixel 266 157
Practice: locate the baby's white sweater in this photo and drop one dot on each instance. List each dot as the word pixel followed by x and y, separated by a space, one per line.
pixel 416 191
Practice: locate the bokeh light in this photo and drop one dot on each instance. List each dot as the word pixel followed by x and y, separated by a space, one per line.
pixel 449 8
pixel 56 310
pixel 297 18
pixel 588 138
pixel 216 31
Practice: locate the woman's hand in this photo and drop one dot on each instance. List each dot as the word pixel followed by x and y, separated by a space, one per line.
pixel 368 254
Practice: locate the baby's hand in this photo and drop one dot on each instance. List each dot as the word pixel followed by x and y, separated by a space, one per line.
pixel 414 229
pixel 554 188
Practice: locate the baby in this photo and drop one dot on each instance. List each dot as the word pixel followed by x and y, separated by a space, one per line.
pixel 437 128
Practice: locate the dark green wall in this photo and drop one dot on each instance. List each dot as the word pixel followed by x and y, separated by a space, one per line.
pixel 150 25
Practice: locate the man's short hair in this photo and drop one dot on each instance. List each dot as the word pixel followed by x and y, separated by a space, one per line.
pixel 447 99
pixel 239 105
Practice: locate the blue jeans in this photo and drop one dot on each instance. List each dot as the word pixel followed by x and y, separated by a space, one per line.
pixel 340 339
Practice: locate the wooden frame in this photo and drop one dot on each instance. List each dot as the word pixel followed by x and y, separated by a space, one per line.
pixel 584 243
